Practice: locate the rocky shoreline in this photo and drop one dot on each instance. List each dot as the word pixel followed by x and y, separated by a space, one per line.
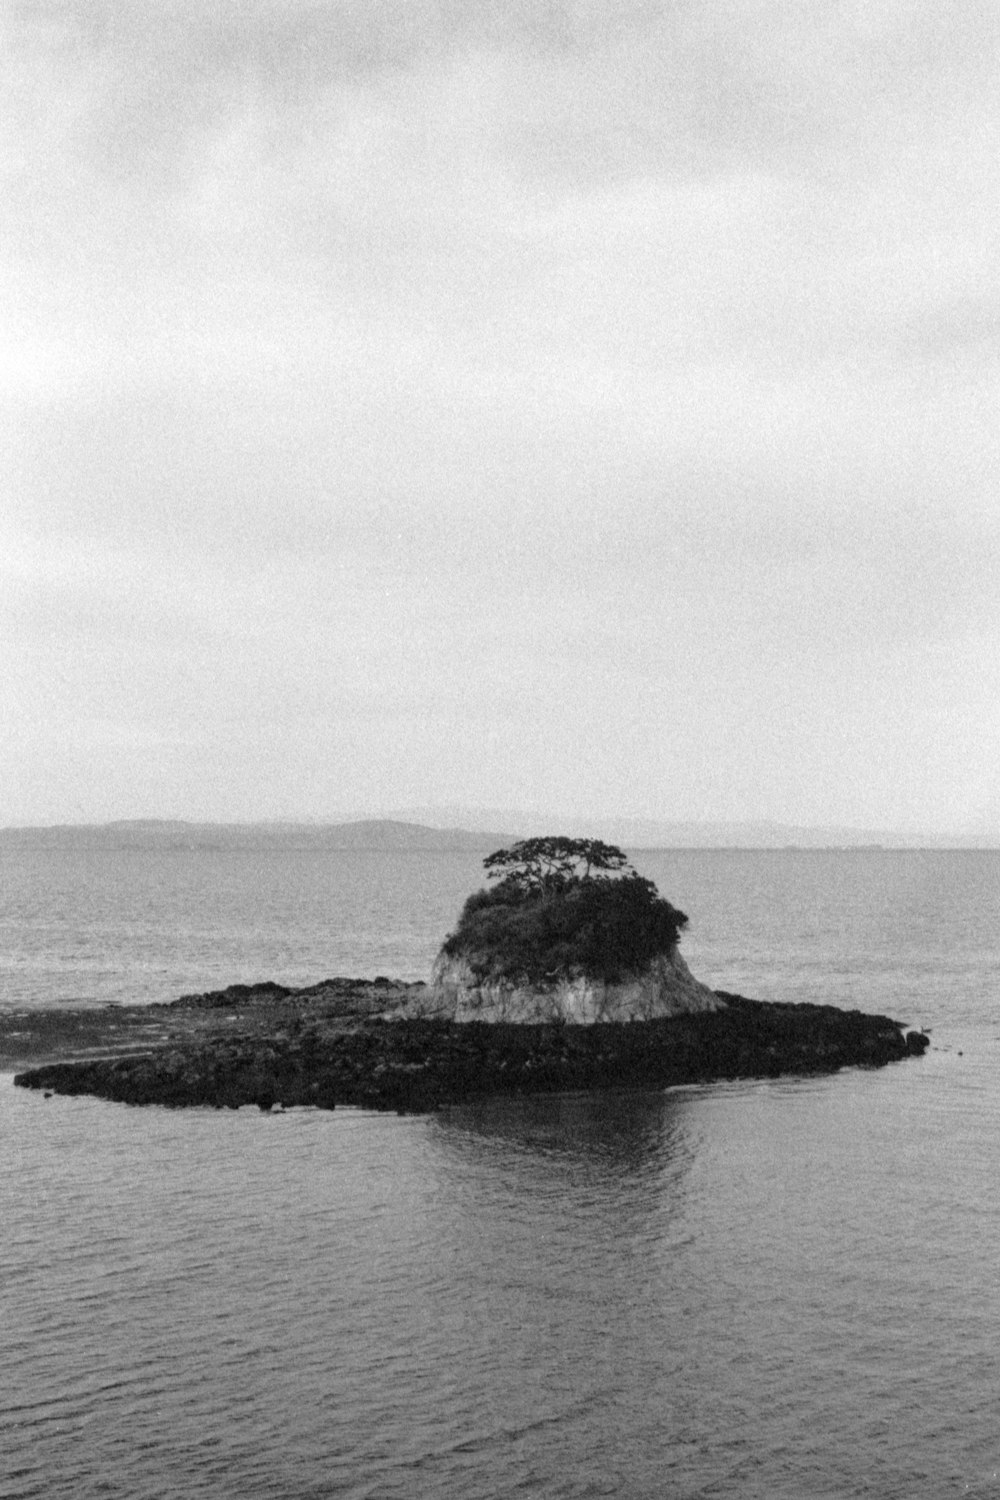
pixel 355 1042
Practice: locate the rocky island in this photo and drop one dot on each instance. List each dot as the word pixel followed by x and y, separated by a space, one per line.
pixel 565 974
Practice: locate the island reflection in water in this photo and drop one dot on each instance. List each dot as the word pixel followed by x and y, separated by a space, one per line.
pixel 735 1288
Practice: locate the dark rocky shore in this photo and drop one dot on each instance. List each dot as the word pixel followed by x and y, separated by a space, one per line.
pixel 338 1043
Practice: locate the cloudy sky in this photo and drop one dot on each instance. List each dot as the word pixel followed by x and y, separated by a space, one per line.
pixel 549 403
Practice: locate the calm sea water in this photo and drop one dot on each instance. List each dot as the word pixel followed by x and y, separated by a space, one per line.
pixel 758 1289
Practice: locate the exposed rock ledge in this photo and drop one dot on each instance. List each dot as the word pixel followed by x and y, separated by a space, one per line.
pixel 666 987
pixel 269 1046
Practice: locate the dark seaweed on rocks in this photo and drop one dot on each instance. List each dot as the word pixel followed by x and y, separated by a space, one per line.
pixel 236 995
pixel 422 1065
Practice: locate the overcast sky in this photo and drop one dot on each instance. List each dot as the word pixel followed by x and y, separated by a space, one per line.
pixel 581 405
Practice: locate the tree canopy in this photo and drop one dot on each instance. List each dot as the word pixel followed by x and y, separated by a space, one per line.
pixel 563 907
pixel 548 864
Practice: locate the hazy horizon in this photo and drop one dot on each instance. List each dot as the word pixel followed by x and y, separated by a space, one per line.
pixel 570 406
pixel 506 824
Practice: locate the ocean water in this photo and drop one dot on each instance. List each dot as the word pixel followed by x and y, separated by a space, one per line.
pixel 783 1288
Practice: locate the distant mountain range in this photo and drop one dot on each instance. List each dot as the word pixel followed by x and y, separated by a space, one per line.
pixel 468 828
pixel 380 833
pixel 651 833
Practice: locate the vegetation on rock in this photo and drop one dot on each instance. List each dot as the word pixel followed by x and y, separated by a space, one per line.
pixel 563 908
pixel 545 865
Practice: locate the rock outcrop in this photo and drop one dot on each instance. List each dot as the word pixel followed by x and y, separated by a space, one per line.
pixel 665 987
pixel 420 1065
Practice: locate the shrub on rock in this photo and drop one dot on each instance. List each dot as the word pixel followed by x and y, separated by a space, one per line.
pixel 563 908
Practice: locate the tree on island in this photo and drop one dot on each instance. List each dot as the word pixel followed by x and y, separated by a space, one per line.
pixel 563 908
pixel 545 865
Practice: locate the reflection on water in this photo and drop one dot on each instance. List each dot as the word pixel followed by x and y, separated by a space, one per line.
pixel 613 1133
pixel 748 1290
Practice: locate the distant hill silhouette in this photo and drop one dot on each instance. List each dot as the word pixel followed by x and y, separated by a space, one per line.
pixel 148 833
pixel 469 828
pixel 652 833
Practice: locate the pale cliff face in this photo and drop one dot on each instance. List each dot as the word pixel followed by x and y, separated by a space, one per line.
pixel 665 988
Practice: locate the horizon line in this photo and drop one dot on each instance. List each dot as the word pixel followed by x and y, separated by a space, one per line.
pixel 876 838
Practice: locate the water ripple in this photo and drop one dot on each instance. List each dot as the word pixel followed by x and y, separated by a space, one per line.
pixel 760 1289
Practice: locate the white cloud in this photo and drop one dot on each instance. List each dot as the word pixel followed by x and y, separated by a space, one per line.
pixel 495 409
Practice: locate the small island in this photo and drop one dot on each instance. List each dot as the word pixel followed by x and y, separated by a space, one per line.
pixel 569 932
pixel 563 974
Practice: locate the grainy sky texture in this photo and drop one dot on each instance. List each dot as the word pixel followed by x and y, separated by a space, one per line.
pixel 575 405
